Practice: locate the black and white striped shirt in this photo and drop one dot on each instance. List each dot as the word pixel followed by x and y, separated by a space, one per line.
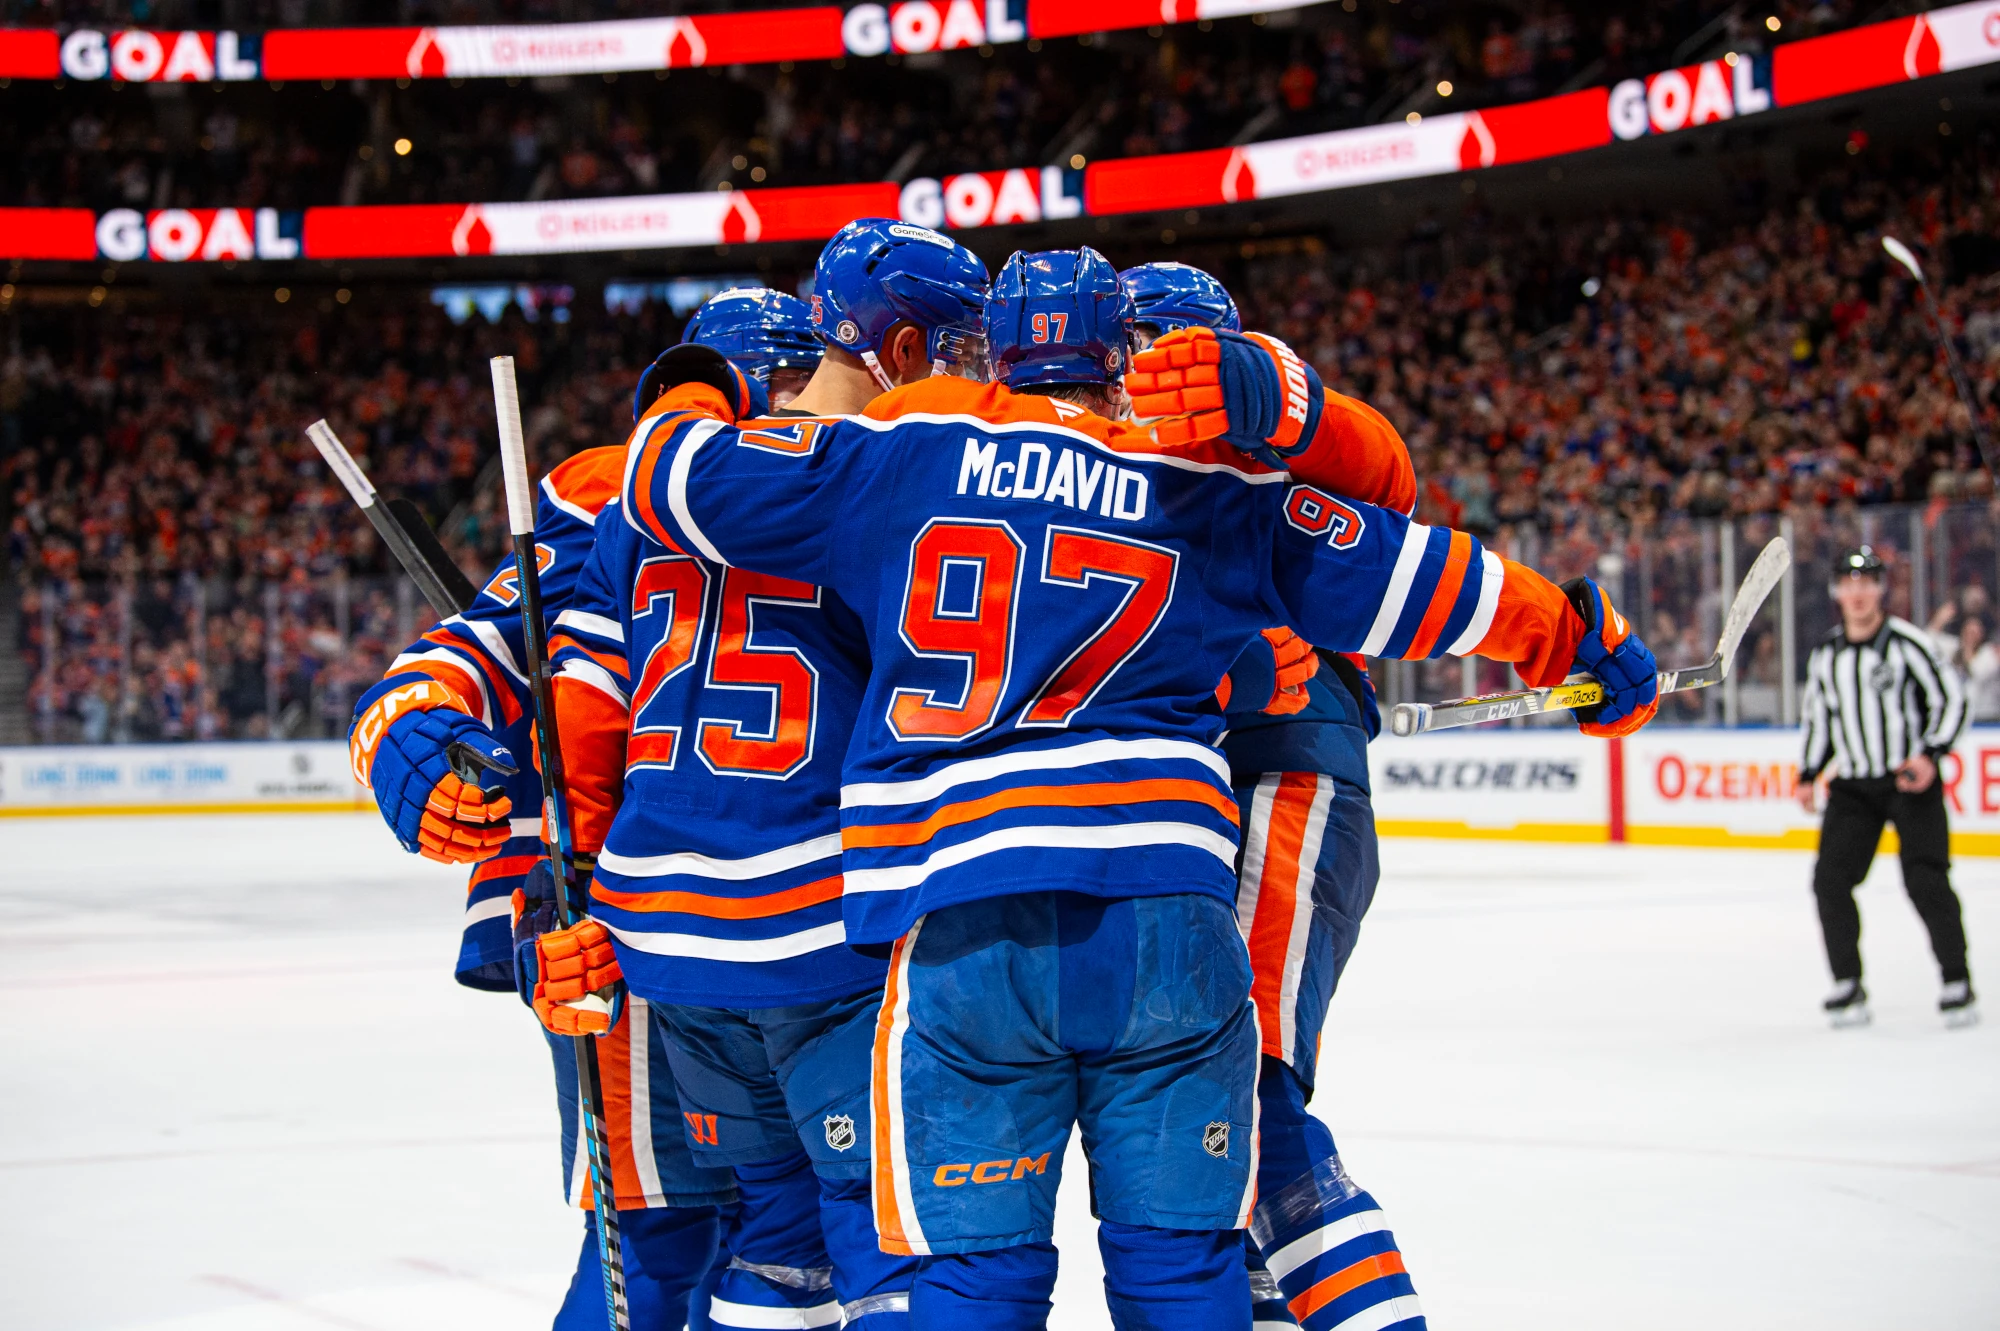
pixel 1870 706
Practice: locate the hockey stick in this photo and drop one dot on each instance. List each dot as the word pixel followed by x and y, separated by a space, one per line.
pixel 418 550
pixel 401 528
pixel 548 745
pixel 1415 718
pixel 1901 254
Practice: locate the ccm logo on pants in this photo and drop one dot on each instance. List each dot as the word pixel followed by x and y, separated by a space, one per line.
pixel 990 1171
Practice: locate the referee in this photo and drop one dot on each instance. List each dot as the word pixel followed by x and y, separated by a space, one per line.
pixel 1880 710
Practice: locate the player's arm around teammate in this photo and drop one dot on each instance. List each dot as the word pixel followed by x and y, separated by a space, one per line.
pixel 729 922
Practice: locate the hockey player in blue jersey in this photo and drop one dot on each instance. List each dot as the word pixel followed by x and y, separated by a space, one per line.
pixel 462 683
pixel 1297 748
pixel 1033 811
pixel 704 713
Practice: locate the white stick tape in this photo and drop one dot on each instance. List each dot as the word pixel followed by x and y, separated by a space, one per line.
pixel 513 449
pixel 337 457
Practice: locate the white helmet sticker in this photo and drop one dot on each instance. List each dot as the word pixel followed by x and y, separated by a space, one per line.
pixel 846 330
pixel 923 233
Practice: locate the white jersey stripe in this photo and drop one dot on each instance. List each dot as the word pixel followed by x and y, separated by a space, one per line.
pixel 1324 1240
pixel 733 871
pixel 1492 576
pixel 638 1035
pixel 904 876
pixel 1249 1205
pixel 493 641
pixel 1310 843
pixel 1256 844
pixel 597 677
pixel 577 511
pixel 899 1158
pixel 489 909
pixel 597 626
pixel 1415 541
pixel 677 486
pixel 732 949
pixel 926 788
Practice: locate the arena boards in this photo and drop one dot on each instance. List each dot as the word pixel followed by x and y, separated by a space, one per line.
pixel 1666 786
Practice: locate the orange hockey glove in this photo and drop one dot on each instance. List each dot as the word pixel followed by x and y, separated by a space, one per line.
pixel 579 989
pixel 1249 390
pixel 1297 664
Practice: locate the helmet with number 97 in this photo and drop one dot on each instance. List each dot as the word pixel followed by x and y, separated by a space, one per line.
pixel 1167 297
pixel 1058 317
pixel 877 272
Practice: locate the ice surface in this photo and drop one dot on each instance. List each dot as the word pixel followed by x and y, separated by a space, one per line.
pixel 1590 1085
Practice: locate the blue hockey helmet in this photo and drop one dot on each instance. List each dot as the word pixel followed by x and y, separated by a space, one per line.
pixel 1058 317
pixel 1173 296
pixel 761 331
pixel 877 272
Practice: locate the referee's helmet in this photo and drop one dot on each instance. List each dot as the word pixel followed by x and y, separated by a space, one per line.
pixel 1860 562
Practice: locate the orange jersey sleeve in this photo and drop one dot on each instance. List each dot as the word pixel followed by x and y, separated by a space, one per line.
pixel 1358 453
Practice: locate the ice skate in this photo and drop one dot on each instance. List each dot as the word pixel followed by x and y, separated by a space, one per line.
pixel 1959 1005
pixel 1847 1005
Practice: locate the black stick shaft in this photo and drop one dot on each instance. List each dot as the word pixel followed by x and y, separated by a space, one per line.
pixel 548 745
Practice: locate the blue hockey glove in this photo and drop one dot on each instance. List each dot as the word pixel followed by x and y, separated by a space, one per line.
pixel 1248 390
pixel 425 768
pixel 1612 653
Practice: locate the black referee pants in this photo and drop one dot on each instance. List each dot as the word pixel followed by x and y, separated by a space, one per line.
pixel 1855 813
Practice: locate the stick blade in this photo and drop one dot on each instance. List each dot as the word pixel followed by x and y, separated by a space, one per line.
pixel 451 579
pixel 1764 574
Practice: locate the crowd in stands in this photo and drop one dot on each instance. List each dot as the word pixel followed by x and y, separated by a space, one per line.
pixel 1021 104
pixel 1595 389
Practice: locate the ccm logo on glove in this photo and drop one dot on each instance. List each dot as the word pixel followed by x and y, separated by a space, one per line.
pixel 369 729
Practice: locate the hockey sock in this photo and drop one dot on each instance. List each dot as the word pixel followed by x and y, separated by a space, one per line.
pixel 873 1286
pixel 1324 1240
pixel 668 1249
pixel 1268 1310
pixel 1330 1247
pixel 778 1268
pixel 1007 1289
pixel 1168 1279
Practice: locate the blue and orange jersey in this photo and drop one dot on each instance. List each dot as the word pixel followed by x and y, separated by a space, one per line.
pixel 704 711
pixel 477 656
pixel 1049 599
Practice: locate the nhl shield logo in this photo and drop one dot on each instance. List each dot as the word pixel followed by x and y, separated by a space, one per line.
pixel 840 1131
pixel 1215 1139
pixel 846 330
